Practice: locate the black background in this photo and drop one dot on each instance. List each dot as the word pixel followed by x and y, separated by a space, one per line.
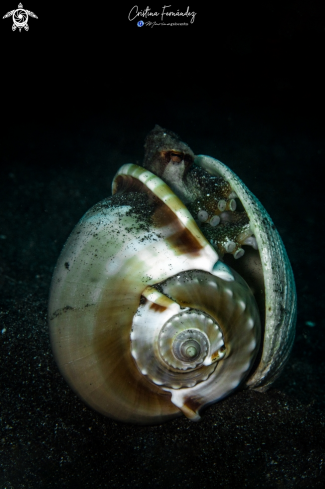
pixel 92 59
pixel 80 90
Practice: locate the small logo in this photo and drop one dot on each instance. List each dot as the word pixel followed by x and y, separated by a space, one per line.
pixel 140 23
pixel 20 18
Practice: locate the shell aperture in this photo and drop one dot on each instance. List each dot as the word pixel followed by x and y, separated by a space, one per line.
pixel 210 198
pixel 164 307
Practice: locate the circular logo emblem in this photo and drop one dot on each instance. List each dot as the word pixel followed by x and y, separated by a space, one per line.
pixel 20 18
pixel 140 23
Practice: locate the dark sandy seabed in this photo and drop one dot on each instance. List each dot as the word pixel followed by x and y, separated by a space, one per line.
pixel 53 169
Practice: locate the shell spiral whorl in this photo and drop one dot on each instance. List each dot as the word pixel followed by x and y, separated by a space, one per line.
pixel 173 292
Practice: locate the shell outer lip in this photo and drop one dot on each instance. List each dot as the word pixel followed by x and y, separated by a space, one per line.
pixel 280 289
pixel 159 187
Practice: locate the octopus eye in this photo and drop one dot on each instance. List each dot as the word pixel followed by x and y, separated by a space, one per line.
pixel 176 157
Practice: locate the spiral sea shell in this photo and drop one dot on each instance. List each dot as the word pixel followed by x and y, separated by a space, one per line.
pixel 173 292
